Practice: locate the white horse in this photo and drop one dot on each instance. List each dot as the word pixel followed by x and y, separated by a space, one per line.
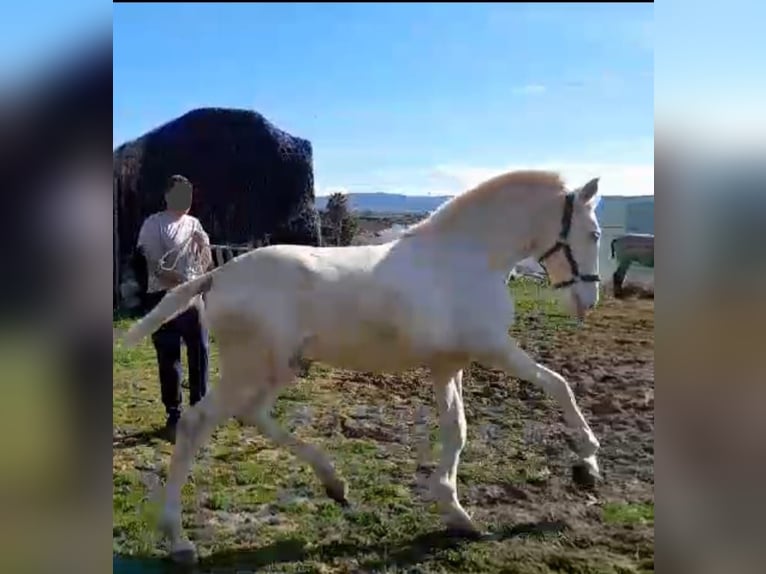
pixel 434 297
pixel 529 267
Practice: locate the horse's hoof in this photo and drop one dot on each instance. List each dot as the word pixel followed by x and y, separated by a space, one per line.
pixel 184 553
pixel 184 557
pixel 341 501
pixel 585 476
pixel 460 525
pixel 339 493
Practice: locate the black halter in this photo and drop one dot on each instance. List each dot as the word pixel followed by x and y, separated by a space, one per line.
pixel 563 244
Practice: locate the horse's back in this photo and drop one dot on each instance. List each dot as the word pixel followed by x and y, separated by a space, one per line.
pixel 638 247
pixel 380 307
pixel 294 283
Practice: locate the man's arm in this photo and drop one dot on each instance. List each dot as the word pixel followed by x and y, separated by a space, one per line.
pixel 202 241
pixel 150 245
pixel 200 234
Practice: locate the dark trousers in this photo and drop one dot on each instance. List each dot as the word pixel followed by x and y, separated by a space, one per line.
pixel 167 343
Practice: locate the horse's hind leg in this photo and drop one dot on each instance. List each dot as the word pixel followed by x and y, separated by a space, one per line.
pixel 518 363
pixel 258 413
pixel 194 429
pixel 452 426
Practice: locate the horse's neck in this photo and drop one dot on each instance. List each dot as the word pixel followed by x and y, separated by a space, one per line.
pixel 503 260
pixel 501 239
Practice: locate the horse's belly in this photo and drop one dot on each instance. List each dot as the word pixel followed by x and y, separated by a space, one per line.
pixel 368 351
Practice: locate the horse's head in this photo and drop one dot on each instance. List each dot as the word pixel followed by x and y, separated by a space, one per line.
pixel 569 247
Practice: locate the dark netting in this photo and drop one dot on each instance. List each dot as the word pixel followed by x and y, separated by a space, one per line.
pixel 253 183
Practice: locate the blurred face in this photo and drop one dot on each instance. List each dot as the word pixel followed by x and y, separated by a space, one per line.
pixel 179 197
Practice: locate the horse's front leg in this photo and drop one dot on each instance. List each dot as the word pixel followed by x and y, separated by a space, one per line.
pixel 452 426
pixel 518 363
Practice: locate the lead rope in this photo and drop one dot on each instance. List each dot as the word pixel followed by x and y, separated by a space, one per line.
pixel 200 260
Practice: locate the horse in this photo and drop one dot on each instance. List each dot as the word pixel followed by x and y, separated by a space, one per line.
pixel 529 267
pixel 628 249
pixel 434 297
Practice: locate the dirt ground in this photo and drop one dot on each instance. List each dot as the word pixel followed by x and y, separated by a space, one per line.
pixel 610 364
pixel 250 506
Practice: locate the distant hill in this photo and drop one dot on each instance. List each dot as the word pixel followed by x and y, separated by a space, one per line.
pixel 390 202
pixel 629 213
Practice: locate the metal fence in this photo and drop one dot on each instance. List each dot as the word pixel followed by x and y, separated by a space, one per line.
pixel 224 253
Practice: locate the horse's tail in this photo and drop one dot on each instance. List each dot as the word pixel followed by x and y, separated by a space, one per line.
pixel 612 245
pixel 172 304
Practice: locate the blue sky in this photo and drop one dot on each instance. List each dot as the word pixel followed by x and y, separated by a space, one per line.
pixel 414 99
pixel 426 99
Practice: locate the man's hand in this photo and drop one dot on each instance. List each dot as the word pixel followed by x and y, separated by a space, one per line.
pixel 171 276
pixel 201 247
pixel 200 239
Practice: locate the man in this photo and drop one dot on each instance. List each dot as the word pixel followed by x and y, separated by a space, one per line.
pixel 175 235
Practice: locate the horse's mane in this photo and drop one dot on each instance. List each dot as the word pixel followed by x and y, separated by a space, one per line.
pixel 522 180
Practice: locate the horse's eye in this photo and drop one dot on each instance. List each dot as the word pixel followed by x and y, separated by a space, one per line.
pixel 595 235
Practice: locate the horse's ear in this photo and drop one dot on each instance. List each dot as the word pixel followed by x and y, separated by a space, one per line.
pixel 588 191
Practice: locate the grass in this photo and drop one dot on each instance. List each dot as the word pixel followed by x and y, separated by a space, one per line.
pixel 252 507
pixel 624 513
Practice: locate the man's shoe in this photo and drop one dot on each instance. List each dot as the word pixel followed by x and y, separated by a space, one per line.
pixel 169 432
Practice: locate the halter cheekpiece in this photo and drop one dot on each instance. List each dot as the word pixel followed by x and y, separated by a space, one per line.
pixel 562 243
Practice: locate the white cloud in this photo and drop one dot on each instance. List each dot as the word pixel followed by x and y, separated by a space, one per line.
pixel 616 177
pixel 619 150
pixel 529 90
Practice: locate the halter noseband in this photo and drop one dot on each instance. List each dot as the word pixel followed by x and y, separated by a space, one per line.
pixel 562 243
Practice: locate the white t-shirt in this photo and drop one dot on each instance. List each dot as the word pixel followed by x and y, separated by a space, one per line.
pixel 162 232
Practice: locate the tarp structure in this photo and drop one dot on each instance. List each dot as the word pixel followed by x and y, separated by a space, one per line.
pixel 253 183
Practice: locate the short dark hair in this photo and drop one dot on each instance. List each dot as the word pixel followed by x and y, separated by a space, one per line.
pixel 177 180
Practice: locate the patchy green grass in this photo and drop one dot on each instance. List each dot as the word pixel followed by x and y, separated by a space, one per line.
pixel 249 506
pixel 627 513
